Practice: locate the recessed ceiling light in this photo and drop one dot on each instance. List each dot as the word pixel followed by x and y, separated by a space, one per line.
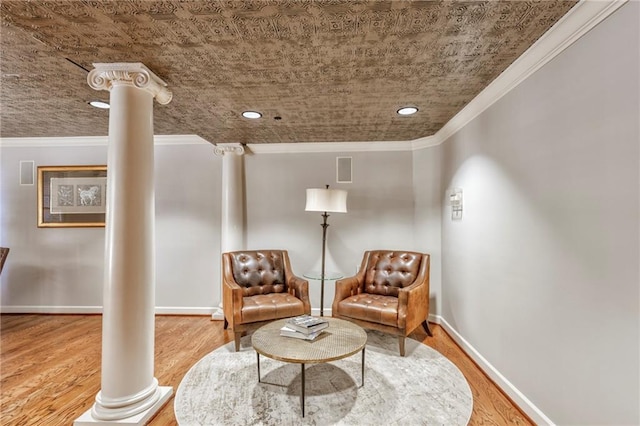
pixel 99 104
pixel 407 110
pixel 251 114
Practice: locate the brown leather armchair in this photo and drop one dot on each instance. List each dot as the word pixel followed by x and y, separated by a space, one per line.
pixel 259 286
pixel 390 293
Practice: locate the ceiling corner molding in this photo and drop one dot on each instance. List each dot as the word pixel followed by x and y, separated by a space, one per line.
pixel 577 22
pixel 318 147
pixel 48 142
pixel 179 140
pixel 94 141
pixel 424 142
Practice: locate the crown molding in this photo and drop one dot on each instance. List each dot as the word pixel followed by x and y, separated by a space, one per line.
pixel 94 141
pixel 585 15
pixel 179 140
pixel 53 142
pixel 425 142
pixel 317 147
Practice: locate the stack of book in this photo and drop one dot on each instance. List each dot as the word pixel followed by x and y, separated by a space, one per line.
pixel 304 327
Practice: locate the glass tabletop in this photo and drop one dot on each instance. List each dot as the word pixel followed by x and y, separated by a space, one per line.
pixel 317 275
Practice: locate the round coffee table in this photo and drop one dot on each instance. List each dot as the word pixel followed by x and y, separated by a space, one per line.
pixel 340 340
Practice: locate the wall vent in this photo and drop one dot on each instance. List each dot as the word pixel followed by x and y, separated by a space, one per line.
pixel 27 176
pixel 344 170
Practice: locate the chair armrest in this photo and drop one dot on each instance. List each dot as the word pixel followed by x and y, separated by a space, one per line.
pixel 345 287
pixel 232 293
pixel 350 286
pixel 299 287
pixel 413 301
pixel 232 302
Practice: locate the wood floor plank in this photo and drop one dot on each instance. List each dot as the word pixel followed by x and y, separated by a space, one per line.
pixel 50 367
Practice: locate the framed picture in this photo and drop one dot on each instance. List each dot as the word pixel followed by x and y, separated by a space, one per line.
pixel 71 196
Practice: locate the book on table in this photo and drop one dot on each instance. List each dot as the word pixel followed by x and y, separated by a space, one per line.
pixel 307 324
pixel 289 332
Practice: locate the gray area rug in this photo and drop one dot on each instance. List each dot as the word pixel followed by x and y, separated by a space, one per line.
pixel 423 388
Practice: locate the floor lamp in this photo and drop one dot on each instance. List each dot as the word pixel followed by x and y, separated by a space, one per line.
pixel 326 201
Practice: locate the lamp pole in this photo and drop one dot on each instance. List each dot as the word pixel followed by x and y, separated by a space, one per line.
pixel 324 225
pixel 325 200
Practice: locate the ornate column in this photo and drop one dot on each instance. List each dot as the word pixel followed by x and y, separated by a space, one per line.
pixel 129 391
pixel 232 220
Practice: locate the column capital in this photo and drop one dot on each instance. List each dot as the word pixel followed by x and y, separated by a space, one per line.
pixel 106 76
pixel 228 148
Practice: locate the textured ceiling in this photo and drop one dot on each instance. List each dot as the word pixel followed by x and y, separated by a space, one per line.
pixel 318 70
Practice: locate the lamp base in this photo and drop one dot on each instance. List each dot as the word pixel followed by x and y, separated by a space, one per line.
pixel 316 312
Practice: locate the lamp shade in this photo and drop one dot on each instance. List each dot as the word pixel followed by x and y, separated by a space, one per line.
pixel 326 200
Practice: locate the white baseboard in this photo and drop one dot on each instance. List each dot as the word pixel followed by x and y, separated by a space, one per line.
pixel 507 387
pixel 434 319
pixel 36 309
pixel 178 310
pixel 160 310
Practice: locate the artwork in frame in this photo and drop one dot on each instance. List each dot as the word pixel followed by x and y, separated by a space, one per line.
pixel 72 196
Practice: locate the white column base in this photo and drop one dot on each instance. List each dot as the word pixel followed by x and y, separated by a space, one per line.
pixel 218 314
pixel 139 419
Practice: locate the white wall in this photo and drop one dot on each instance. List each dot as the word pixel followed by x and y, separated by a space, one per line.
pixel 379 202
pixel 541 274
pixel 54 269
pixel 47 266
pixel 188 215
pixel 428 191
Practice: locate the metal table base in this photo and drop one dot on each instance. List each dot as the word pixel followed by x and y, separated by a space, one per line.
pixel 303 378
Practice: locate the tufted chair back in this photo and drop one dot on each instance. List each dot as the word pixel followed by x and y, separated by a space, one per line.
pixel 259 272
pixel 389 271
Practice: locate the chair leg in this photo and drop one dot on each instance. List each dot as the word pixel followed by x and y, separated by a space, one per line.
pixel 237 335
pixel 226 324
pixel 425 325
pixel 401 343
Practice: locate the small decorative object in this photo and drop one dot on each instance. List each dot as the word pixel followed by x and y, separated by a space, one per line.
pixel 289 332
pixel 455 198
pixel 72 196
pixel 307 324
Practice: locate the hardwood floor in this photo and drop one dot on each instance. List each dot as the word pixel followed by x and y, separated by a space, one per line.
pixel 50 367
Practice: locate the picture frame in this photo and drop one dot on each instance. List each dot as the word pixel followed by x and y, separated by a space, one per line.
pixel 72 196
